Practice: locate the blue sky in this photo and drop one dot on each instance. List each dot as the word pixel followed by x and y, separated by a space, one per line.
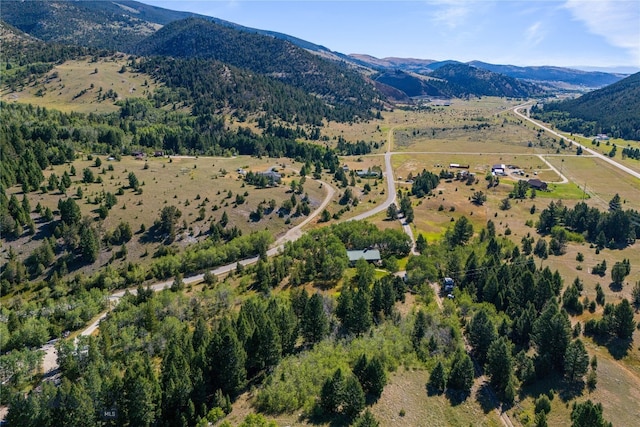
pixel 585 33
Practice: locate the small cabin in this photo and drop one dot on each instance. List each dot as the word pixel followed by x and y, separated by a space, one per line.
pixel 537 184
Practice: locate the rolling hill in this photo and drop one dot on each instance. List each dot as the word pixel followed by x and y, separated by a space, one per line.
pixel 459 81
pixel 612 110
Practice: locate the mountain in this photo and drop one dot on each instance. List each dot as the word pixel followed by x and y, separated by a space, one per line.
pixel 463 80
pixel 112 25
pixel 459 81
pixel 557 77
pixel 612 110
pixel 411 84
pixel 197 38
pixel 405 64
pixel 588 79
pixel 101 24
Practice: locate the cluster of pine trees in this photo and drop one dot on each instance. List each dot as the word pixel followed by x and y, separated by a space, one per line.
pixel 616 228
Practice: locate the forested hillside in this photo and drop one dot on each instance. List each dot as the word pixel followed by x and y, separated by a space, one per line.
pixel 463 80
pixel 612 110
pixel 588 79
pixel 101 24
pixel 411 85
pixel 197 38
pixel 458 81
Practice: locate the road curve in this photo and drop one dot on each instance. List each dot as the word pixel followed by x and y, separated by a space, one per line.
pixel 50 360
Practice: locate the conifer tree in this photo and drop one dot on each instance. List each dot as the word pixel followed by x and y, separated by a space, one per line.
pixel 500 365
pixel 576 360
pixel 228 360
pixel 482 332
pixel 438 378
pixel 315 324
pixel 462 372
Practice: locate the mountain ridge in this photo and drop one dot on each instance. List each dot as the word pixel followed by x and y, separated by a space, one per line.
pixel 133 21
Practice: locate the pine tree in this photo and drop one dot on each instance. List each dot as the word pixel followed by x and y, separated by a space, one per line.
pixel 371 375
pixel 624 322
pixel 315 324
pixel 73 407
pixel 421 243
pixel 332 392
pixel 89 243
pixel 419 332
pixel 541 419
pixel 141 394
pixel 500 365
pixel 576 360
pixel 482 332
pixel 462 372
pixel 228 360
pixel 588 414
pixel 176 382
pixel 353 398
pixel 366 420
pixel 551 335
pixel 438 378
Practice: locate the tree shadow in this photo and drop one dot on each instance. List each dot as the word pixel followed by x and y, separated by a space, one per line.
pixel 432 391
pixel 617 347
pixel 615 287
pixel 44 230
pixel 456 397
pixel 486 399
pixel 564 389
pixel 317 417
pixel 571 390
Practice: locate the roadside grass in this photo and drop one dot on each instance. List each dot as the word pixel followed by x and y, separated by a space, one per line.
pixel 76 86
pixel 605 149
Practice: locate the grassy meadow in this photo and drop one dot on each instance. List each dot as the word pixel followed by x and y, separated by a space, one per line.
pixel 84 86
pixel 195 185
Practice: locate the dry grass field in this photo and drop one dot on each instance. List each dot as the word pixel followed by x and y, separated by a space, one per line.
pixel 405 402
pixel 189 183
pixel 605 149
pixel 78 86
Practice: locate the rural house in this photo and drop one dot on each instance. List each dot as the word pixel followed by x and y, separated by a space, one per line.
pixel 369 255
pixel 537 184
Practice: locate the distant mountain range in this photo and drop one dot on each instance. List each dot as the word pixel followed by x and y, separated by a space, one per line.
pixel 357 84
pixel 121 25
pixel 555 76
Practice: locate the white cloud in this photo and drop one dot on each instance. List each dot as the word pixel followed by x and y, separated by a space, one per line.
pixel 617 21
pixel 534 34
pixel 451 13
